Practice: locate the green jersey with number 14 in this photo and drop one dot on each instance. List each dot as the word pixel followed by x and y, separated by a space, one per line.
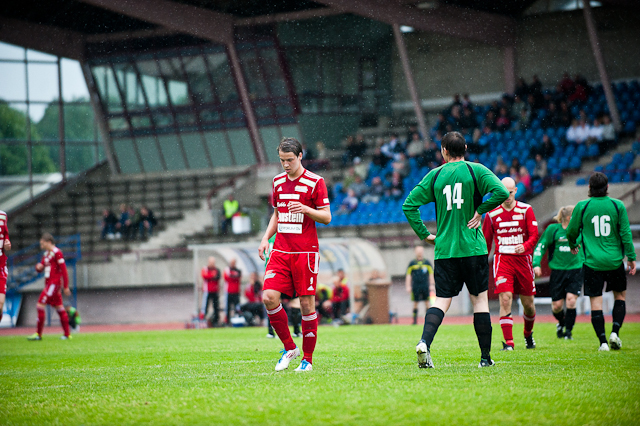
pixel 606 236
pixel 457 188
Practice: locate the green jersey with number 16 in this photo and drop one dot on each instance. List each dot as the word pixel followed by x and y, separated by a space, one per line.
pixel 606 236
pixel 457 189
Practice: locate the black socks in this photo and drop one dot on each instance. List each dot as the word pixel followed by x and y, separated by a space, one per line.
pixel 432 321
pixel 619 311
pixel 570 319
pixel 597 320
pixel 560 317
pixel 482 325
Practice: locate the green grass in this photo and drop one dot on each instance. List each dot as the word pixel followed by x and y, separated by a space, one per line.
pixel 363 375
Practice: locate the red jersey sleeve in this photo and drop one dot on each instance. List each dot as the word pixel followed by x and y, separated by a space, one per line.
pixel 320 195
pixel 487 230
pixel 59 259
pixel 532 231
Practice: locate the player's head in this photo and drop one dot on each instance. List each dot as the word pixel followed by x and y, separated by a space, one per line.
pixel 598 185
pixel 564 214
pixel 453 146
pixel 510 184
pixel 290 153
pixel 232 262
pixel 419 251
pixel 46 241
pixel 211 262
pixel 341 274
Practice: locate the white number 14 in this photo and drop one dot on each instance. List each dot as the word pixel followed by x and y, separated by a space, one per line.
pixel 457 195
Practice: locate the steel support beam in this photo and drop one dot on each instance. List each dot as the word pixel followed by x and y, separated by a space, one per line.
pixel 413 91
pixel 453 21
pixel 289 16
pixel 602 69
pixel 509 58
pixel 44 38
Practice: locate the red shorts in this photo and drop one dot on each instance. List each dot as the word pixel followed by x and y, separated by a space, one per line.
pixel 4 272
pixel 514 274
pixel 51 295
pixel 293 274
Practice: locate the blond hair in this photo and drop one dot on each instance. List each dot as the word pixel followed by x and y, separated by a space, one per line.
pixel 564 214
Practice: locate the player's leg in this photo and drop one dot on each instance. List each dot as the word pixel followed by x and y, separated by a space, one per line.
pixel 506 320
pixel 415 307
pixel 215 301
pixel 64 320
pixel 2 296
pixel 482 327
pixel 41 316
pixel 529 317
pixel 296 321
pixel 205 304
pixel 309 331
pixel 524 285
pixel 593 286
pixel 557 308
pixel 556 287
pixel 280 322
pixel 570 318
pixel 619 311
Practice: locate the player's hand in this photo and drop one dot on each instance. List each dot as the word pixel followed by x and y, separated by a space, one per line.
pixel 431 239
pixel 7 245
pixel 39 267
pixel 632 267
pixel 475 221
pixel 297 207
pixel 538 271
pixel 575 250
pixel 519 248
pixel 67 292
pixel 264 246
pixel 408 289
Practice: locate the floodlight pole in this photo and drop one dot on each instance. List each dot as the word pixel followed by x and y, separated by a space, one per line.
pixel 604 77
pixel 402 50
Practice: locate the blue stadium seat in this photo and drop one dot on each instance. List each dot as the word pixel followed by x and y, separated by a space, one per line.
pixel 581 182
pixel 593 151
pixel 575 163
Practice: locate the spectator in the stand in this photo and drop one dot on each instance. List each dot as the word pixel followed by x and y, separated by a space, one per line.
pixel 535 89
pixel 229 208
pixel 532 107
pixel 122 225
pixel 360 168
pixel 356 148
pixel 438 161
pixel 551 118
pixel 503 122
pixel 466 102
pixel 501 170
pixel 487 139
pixel 376 191
pixel 595 133
pixel 572 132
pixel 441 125
pixel 414 146
pixel 564 115
pixel 455 119
pixel 349 204
pixel 358 187
pixel 608 134
pixel 517 107
pixel 393 148
pixel 401 165
pixel 378 158
pixel 340 298
pixel 580 90
pixel 582 134
pixel 468 120
pixel 566 85
pixel 348 155
pixel 515 165
pixel 474 146
pixel 547 148
pixel 557 96
pixel 321 151
pixel 307 153
pixel 522 89
pixel 580 80
pixel 109 221
pixel 428 155
pixel 210 287
pixel 456 102
pixel 490 120
pixel 147 222
pixel 525 178
pixel 413 130
pixel 395 186
pixel 133 223
pixel 540 171
pixel 525 118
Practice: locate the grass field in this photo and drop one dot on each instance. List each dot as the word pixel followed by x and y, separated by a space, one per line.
pixel 363 375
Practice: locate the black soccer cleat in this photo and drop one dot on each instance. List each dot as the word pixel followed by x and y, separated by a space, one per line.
pixel 531 344
pixel 486 363
pixel 506 347
pixel 568 335
pixel 559 332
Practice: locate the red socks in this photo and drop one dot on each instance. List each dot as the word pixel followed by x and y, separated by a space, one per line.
pixel 64 320
pixel 40 321
pixel 309 335
pixel 506 323
pixel 280 323
pixel 528 324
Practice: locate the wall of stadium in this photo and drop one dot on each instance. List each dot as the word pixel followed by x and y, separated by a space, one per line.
pixel 547 45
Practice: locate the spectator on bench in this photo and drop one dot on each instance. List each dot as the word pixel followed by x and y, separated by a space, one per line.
pixel 109 221
pixel 147 222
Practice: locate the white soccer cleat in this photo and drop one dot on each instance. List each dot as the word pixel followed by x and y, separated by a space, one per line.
pixel 63 337
pixel 286 358
pixel 424 356
pixel 615 342
pixel 270 336
pixel 604 347
pixel 304 366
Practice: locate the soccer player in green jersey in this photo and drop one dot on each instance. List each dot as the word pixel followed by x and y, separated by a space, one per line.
pixel 457 189
pixel 566 271
pixel 606 240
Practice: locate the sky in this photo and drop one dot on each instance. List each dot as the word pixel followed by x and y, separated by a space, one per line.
pixel 42 79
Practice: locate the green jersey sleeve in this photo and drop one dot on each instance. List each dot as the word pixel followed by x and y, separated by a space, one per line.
pixel 573 230
pixel 420 195
pixel 625 232
pixel 540 249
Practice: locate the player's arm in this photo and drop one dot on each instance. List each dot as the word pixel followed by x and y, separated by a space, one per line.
pixel 322 214
pixel 573 230
pixel 532 228
pixel 487 230
pixel 419 196
pixel 407 279
pixel 270 232
pixel 627 240
pixel 65 274
pixel 539 251
pixel 7 242
pixel 40 265
pixel 487 182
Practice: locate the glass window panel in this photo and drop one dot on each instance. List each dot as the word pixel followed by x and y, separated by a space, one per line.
pixel 284 110
pixel 242 147
pixel 149 154
pixel 118 123
pixel 198 79
pixel 14 121
pixel 126 156
pixel 34 55
pixel 13 86
pixel 194 148
pixel 152 82
pixel 306 70
pixel 79 157
pixel 330 73
pixel 74 87
pixel 177 87
pixel 292 131
pixel 253 74
pixel 162 119
pixel 273 70
pixel 106 83
pixel 45 158
pixel 218 150
pixel 9 51
pixel 48 124
pixel 79 122
pixel 264 111
pixel 350 67
pixel 210 116
pixel 141 121
pixel 101 155
pixel 43 82
pixel 221 74
pixel 37 110
pixel 171 151
pixel 330 105
pixel 131 89
pixel 271 139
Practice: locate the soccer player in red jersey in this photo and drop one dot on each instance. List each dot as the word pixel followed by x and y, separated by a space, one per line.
pixel 232 277
pixel 55 279
pixel 514 228
pixel 5 245
pixel 211 285
pixel 300 200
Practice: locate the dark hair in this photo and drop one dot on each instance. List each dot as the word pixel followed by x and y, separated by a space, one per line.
pixel 290 145
pixel 598 185
pixel 454 143
pixel 48 237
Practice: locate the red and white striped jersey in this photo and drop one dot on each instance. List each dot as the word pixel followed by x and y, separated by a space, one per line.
pixel 55 270
pixel 297 232
pixel 4 236
pixel 509 228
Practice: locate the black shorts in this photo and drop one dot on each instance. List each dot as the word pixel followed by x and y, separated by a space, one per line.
pixel 594 280
pixel 451 274
pixel 419 294
pixel 562 282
